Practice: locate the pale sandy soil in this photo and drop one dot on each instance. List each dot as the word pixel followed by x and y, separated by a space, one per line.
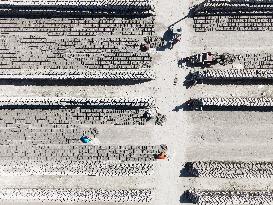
pixel 189 135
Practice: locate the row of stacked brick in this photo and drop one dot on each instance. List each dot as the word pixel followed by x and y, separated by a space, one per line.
pixel 230 197
pixel 230 7
pixel 80 152
pixel 75 167
pixel 229 15
pixel 230 169
pixel 234 102
pixel 38 123
pixel 256 60
pixel 76 195
pixel 57 114
pixel 69 74
pixel 81 7
pixel 91 160
pixel 79 28
pixel 77 2
pixel 77 102
pixel 230 74
pixel 233 23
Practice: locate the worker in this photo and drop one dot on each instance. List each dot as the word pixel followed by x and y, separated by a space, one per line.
pixel 164 147
pixel 85 139
pixel 94 131
pixel 176 32
pixel 175 41
pixel 144 47
pixel 162 155
pixel 176 35
pixel 90 139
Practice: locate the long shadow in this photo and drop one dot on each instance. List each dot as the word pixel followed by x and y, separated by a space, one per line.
pixel 73 82
pixel 58 107
pixel 187 16
pixel 185 173
pixel 193 10
pixel 168 36
pixel 59 11
pixel 184 107
pixel 236 81
pixel 184 198
pixel 188 170
pixel 190 81
pixel 238 108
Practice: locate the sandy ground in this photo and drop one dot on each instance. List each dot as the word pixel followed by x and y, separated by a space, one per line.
pixel 189 135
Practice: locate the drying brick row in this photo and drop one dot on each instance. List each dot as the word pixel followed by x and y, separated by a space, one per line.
pixel 230 197
pixel 94 7
pixel 77 195
pixel 234 74
pixel 243 101
pixel 78 102
pixel 72 167
pixel 79 152
pixel 230 169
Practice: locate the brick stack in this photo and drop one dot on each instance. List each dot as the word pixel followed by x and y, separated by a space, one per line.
pixel 25 160
pixel 230 197
pixel 230 169
pixel 76 195
pixel 243 101
pixel 228 15
pixel 229 74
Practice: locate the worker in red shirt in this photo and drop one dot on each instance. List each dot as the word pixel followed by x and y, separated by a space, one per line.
pixel 162 155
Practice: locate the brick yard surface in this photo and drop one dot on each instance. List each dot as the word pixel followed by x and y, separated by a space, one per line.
pixel 68 67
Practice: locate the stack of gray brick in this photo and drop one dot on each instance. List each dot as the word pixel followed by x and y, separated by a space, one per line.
pixel 77 195
pixel 230 197
pixel 230 169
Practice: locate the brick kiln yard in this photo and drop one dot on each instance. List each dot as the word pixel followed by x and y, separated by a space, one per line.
pixel 42 159
pixel 63 76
